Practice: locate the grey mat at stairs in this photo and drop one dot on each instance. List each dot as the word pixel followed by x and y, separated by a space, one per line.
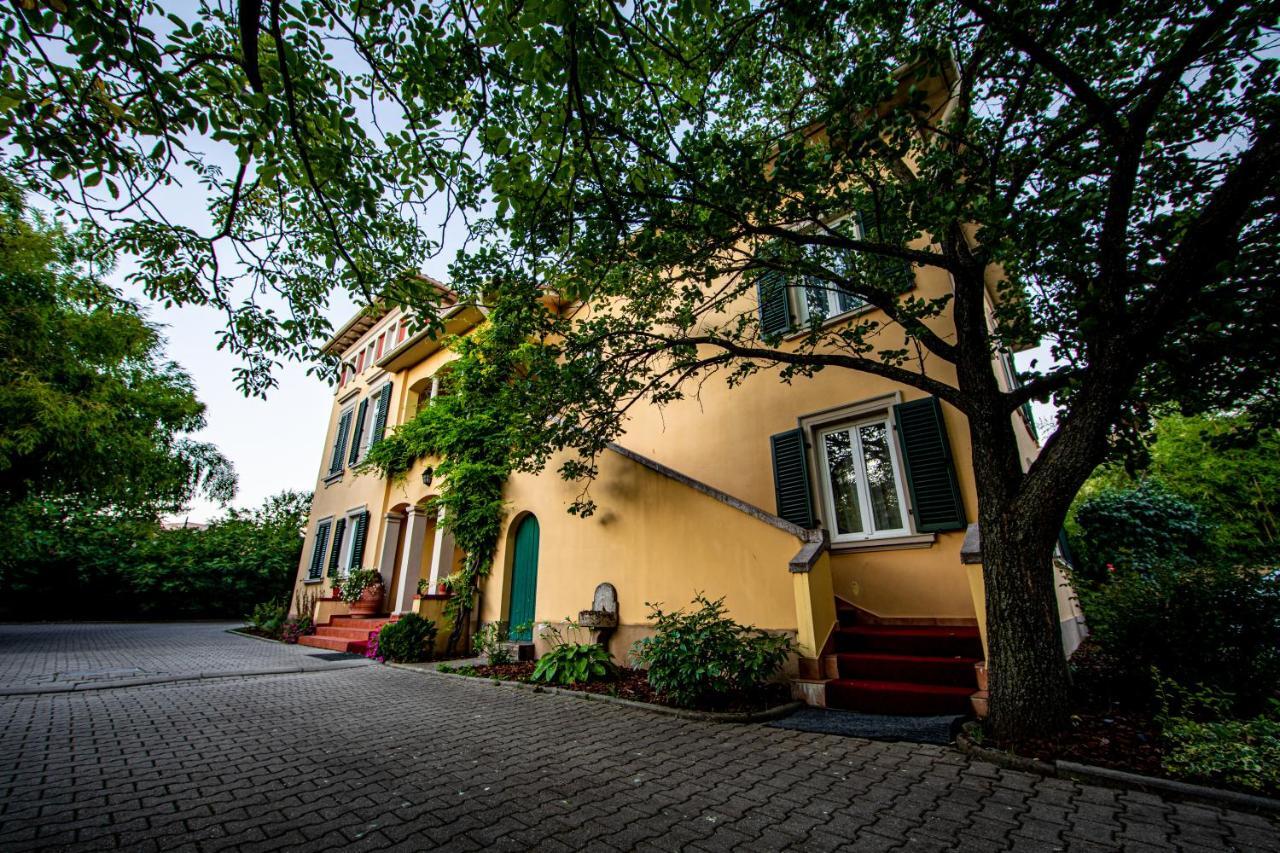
pixel 830 721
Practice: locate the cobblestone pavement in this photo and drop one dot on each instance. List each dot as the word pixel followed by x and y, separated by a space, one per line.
pixel 91 654
pixel 378 758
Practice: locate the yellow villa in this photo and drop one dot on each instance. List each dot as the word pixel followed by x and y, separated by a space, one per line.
pixel 834 508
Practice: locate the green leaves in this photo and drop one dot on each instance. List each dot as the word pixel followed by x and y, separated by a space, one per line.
pixel 573 663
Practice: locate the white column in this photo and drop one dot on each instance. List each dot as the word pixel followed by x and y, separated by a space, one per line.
pixel 442 553
pixel 390 538
pixel 414 539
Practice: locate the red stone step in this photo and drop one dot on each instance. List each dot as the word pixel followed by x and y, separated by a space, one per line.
pixel 897 697
pixel 335 644
pixel 919 669
pixel 373 623
pixel 344 633
pixel 923 640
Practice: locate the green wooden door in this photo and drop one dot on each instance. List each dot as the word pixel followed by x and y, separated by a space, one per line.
pixel 524 579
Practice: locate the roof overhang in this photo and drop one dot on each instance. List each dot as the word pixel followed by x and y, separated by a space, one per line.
pixel 369 316
pixel 423 343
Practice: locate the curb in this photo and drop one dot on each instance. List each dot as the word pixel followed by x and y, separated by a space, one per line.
pixel 1108 778
pixel 89 686
pixel 736 717
pixel 240 633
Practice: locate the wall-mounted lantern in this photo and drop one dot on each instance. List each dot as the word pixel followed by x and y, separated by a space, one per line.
pixel 427 474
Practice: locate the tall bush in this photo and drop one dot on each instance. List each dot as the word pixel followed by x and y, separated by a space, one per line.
pixel 1138 528
pixel 1213 626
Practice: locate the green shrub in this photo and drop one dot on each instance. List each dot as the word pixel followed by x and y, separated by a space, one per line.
pixel 1214 626
pixel 268 616
pixel 295 629
pixel 572 663
pixel 703 656
pixel 491 641
pixel 408 639
pixel 1139 528
pixel 1204 744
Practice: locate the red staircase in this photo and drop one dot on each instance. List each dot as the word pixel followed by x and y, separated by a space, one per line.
pixel 903 669
pixel 345 634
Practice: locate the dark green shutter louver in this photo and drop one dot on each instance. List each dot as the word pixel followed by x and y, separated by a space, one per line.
pixel 357 541
pixel 931 475
pixel 775 308
pixel 359 431
pixel 339 528
pixel 340 443
pixel 791 478
pixel 380 414
pixel 318 551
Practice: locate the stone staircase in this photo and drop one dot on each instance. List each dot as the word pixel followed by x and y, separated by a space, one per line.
pixel 345 634
pixel 908 670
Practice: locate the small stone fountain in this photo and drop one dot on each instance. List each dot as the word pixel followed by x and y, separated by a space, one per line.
pixel 602 618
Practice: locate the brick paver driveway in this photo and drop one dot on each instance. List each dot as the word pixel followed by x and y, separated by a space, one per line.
pixel 371 757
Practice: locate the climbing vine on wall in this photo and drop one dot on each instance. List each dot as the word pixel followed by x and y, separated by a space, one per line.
pixel 477 427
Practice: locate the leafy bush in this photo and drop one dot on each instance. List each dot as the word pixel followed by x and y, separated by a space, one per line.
pixel 572 663
pixel 268 616
pixel 1214 626
pixel 704 655
pixel 296 628
pixel 1140 528
pixel 409 639
pixel 1205 744
pixel 354 584
pixel 491 641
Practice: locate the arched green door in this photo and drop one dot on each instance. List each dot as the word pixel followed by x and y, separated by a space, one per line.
pixel 524 579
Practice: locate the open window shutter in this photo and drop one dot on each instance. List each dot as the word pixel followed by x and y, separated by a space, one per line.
pixel 357 543
pixel 340 443
pixel 339 528
pixel 931 474
pixel 775 308
pixel 380 415
pixel 791 478
pixel 359 431
pixel 318 552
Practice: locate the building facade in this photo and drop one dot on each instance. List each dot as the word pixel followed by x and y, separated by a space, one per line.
pixel 833 508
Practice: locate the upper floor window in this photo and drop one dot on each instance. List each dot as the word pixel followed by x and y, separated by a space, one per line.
pixel 360 363
pixel 382 341
pixel 402 331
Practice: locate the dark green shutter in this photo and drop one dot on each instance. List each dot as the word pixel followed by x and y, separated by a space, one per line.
pixel 775 308
pixel 339 528
pixel 359 431
pixel 380 414
pixel 357 542
pixel 340 443
pixel 791 477
pixel 318 551
pixel 931 474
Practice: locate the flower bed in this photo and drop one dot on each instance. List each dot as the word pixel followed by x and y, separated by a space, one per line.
pixel 632 684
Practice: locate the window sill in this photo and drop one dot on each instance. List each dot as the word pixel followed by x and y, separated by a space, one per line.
pixel 310 581
pixel 333 478
pixel 351 394
pixel 886 543
pixel 803 330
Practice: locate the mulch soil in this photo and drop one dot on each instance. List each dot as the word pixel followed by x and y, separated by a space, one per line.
pixel 1118 740
pixel 633 684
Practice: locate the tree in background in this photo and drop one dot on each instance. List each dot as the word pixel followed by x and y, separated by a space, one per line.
pixel 1206 486
pixel 1121 162
pixel 93 415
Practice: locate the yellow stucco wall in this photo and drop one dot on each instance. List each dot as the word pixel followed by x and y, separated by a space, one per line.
pixel 656 540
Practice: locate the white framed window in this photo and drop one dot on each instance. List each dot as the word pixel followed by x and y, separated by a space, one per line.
pixel 816 300
pixel 861 481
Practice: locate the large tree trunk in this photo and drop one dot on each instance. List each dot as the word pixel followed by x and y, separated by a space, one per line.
pixel 1026 664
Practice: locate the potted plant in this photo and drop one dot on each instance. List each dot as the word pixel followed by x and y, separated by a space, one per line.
pixel 362 590
pixel 424 587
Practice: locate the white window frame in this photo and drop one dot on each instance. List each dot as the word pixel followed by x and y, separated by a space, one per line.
pixel 862 485
pixel 799 294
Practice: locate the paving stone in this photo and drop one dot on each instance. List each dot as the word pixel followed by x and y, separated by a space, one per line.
pixel 417 762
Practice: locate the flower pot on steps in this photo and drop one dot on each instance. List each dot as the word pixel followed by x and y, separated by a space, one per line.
pixel 369 602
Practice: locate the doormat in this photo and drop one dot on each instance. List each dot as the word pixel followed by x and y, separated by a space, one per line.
pixel 831 721
pixel 336 656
